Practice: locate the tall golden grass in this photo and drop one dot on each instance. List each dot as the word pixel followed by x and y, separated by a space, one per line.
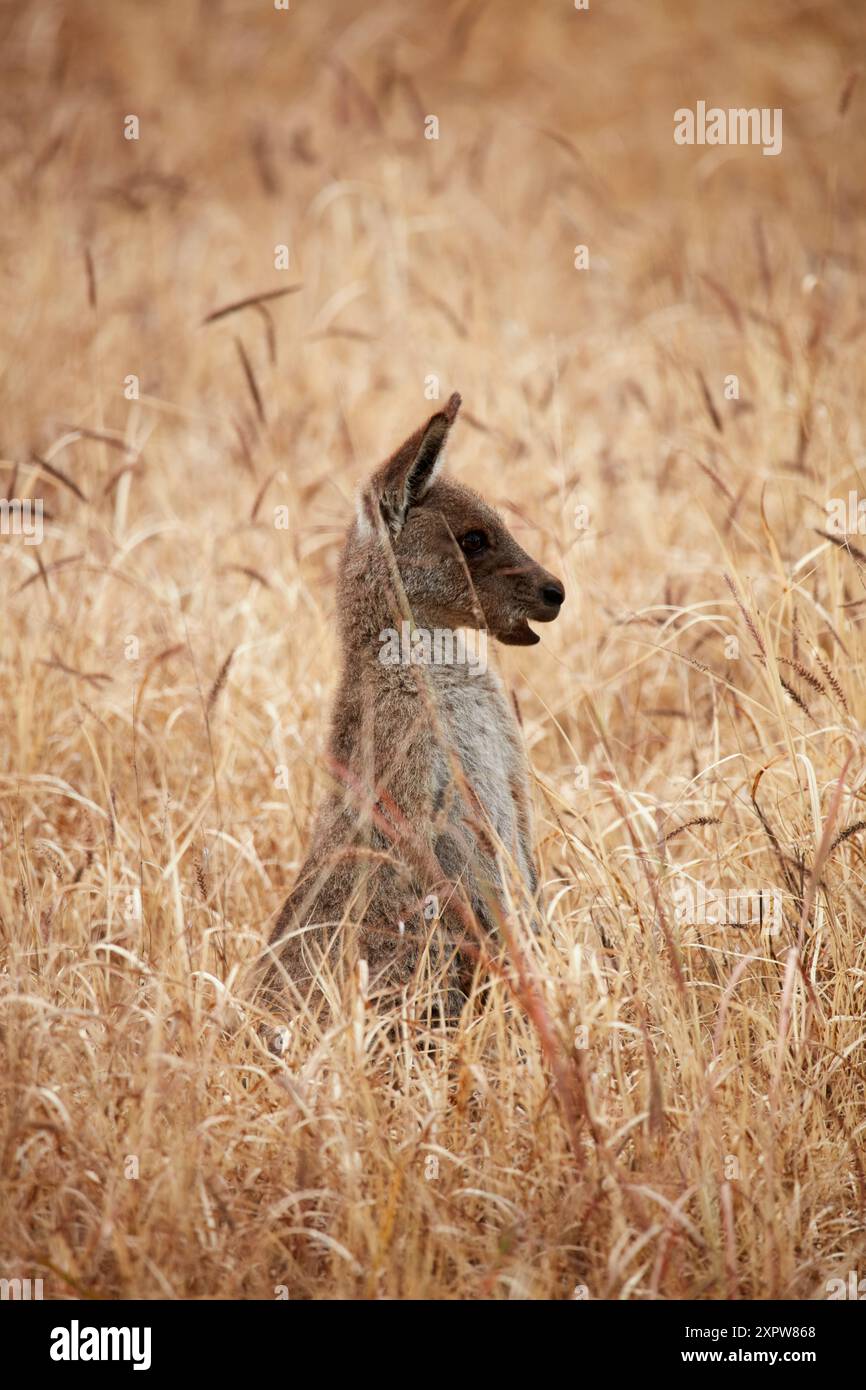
pixel 672 1110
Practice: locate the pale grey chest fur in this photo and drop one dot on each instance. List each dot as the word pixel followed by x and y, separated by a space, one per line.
pixel 479 726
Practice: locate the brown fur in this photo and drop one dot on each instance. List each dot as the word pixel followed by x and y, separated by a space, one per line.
pixel 428 813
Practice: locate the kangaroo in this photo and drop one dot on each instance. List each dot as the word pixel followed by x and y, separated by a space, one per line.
pixel 428 815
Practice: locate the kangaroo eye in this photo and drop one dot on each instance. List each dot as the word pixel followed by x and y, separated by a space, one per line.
pixel 473 542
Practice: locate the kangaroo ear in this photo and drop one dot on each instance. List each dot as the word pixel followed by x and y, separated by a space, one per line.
pixel 403 480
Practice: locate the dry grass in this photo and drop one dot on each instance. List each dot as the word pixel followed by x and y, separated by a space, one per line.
pixel 682 1112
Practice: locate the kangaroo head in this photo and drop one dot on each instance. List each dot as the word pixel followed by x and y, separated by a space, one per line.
pixel 458 564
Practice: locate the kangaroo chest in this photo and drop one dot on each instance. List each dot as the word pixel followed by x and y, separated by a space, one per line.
pixel 476 724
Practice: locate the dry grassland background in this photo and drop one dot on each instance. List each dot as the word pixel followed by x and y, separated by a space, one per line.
pixel 682 1115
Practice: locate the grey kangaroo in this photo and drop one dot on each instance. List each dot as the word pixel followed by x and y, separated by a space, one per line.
pixel 424 835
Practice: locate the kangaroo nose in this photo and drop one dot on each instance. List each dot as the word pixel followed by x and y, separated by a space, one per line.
pixel 552 593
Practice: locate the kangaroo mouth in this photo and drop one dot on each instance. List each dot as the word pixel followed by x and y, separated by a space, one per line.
pixel 521 635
